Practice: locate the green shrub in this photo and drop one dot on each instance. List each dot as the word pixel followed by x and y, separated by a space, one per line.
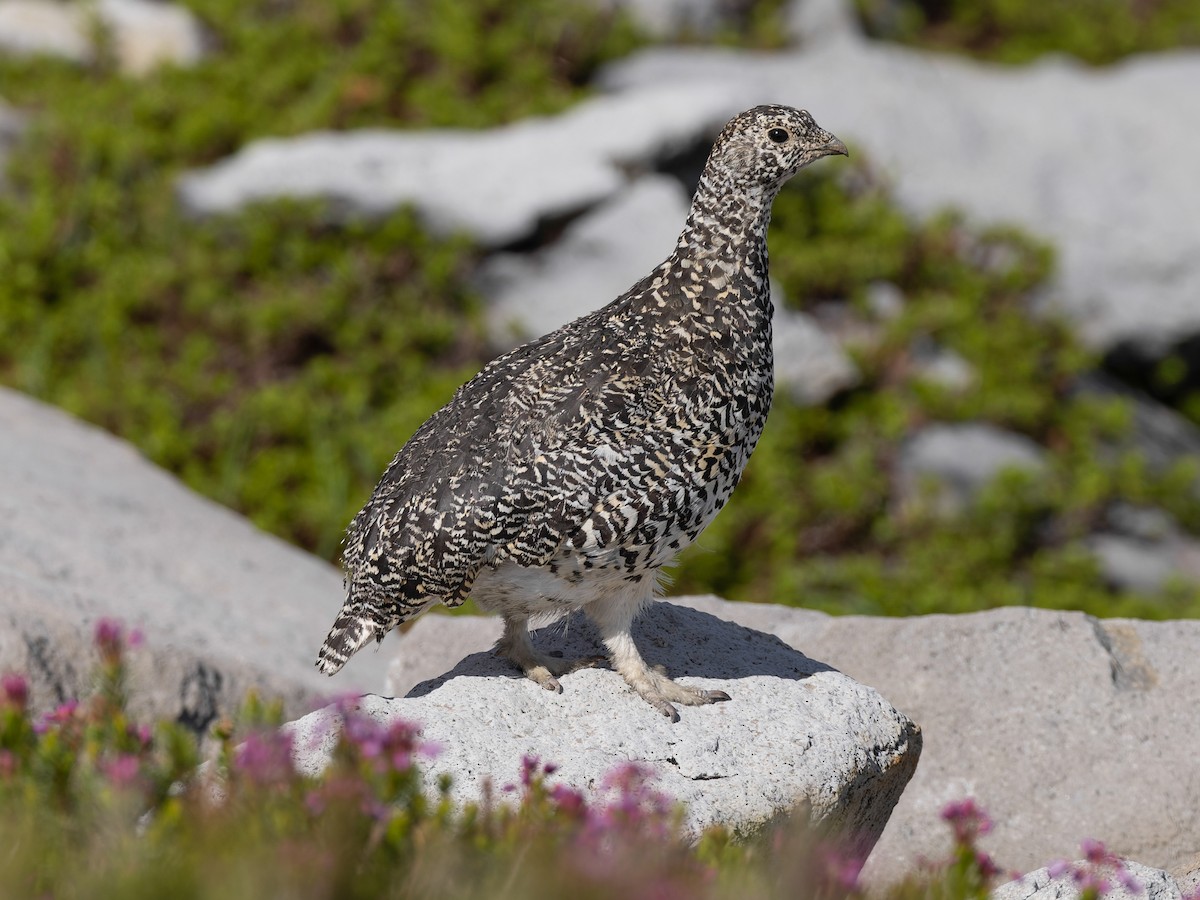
pixel 273 359
pixel 1016 31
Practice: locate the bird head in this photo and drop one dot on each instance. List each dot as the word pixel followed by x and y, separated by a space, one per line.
pixel 767 145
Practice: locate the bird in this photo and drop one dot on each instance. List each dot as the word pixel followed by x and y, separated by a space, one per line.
pixel 570 471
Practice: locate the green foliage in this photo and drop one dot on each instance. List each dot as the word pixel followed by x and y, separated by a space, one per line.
pixel 1016 31
pixel 277 359
pixel 816 520
pixel 274 360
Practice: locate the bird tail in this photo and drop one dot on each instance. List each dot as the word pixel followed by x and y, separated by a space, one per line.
pixel 351 630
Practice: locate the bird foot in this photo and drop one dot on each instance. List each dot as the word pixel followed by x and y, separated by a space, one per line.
pixel 544 669
pixel 662 693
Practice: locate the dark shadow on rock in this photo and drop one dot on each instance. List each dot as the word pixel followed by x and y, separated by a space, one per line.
pixel 687 642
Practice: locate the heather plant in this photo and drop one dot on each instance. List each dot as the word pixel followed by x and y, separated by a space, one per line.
pixel 93 804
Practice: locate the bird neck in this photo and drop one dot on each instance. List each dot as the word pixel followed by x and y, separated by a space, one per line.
pixel 725 237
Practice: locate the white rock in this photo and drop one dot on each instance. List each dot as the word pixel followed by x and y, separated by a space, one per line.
pixel 961 459
pixel 145 34
pixel 90 529
pixel 1155 884
pixel 1062 726
pixel 944 368
pixel 496 185
pixel 1143 549
pixel 666 19
pixel 1099 161
pixel 43 26
pixel 809 364
pixel 794 733
pixel 148 34
pixel 823 21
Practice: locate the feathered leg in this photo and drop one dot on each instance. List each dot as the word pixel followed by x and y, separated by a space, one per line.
pixel 516 646
pixel 615 618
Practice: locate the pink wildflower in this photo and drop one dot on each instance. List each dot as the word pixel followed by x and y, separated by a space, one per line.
pixel 16 691
pixel 841 868
pixel 60 715
pixel 265 758
pixel 568 800
pixel 967 820
pixel 122 771
pixel 8 763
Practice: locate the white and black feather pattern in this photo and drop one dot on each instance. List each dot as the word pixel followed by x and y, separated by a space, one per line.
pixel 603 447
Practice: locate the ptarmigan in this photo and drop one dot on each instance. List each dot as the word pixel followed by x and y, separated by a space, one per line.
pixel 568 472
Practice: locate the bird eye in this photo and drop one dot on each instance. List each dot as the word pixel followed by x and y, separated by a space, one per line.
pixel 778 135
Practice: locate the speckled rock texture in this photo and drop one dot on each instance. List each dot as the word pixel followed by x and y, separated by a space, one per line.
pixel 1062 726
pixel 90 529
pixel 794 734
pixel 1154 884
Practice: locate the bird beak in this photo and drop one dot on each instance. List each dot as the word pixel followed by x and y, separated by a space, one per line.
pixel 833 147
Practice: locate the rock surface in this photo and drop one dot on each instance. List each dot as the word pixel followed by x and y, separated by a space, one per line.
pixel 1063 727
pixel 497 185
pixel 1155 884
pixel 795 733
pixel 90 529
pixel 961 459
pixel 1144 549
pixel 145 34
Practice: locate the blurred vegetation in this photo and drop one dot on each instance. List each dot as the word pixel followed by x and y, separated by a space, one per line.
pixel 1017 31
pixel 94 804
pixel 277 359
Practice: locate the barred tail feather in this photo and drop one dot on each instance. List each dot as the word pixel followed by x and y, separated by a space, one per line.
pixel 349 633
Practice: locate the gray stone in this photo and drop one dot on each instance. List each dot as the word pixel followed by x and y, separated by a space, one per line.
pixel 811 22
pixel 960 460
pixel 944 368
pixel 1056 147
pixel 668 19
pixel 496 185
pixel 1062 726
pixel 145 34
pixel 149 33
pixel 29 27
pixel 1143 549
pixel 885 300
pixel 1153 884
pixel 810 365
pixel 603 253
pixel 1160 435
pixel 795 734
pixel 90 529
pixel 12 126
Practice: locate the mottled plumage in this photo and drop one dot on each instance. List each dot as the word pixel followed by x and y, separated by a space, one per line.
pixel 568 472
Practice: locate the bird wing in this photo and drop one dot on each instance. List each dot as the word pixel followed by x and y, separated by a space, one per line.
pixel 578 441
